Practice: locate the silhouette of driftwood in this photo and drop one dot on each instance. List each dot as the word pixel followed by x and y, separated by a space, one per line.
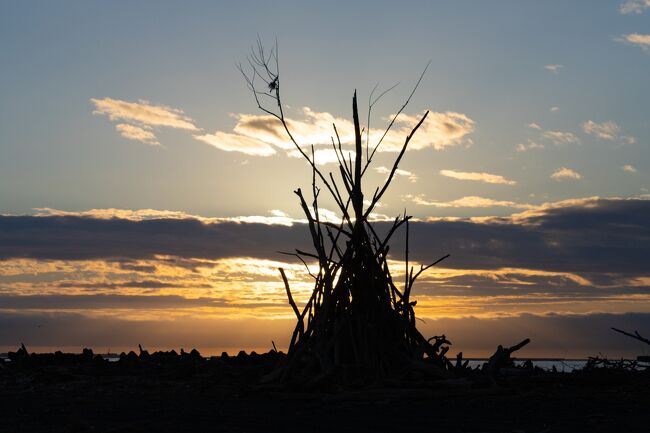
pixel 358 325
pixel 502 359
pixel 636 335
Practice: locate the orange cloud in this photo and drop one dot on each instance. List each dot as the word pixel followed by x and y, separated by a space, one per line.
pixel 476 176
pixel 143 113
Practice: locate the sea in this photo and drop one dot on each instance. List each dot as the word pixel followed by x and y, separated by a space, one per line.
pixel 560 364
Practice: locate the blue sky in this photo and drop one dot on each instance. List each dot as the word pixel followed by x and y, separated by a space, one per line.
pixel 488 62
pixel 136 111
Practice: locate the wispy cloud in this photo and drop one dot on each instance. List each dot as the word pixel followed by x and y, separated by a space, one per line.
pixel 132 132
pixel 556 137
pixel 634 6
pixel 553 109
pixel 565 173
pixel 137 119
pixel 143 113
pixel 553 68
pixel 257 134
pixel 277 217
pixel 467 202
pixel 440 130
pixel 412 177
pixel 477 176
pixel 530 145
pixel 322 156
pixel 638 39
pixel 606 130
pixel 561 137
pixel 110 213
pixel 629 168
pixel 236 143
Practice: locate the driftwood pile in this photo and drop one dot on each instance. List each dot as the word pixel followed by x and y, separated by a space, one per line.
pixel 359 324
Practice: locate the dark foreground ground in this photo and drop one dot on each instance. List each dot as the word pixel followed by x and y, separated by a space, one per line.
pixel 222 395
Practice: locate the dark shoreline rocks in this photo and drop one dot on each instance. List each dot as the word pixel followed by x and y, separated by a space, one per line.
pixel 172 392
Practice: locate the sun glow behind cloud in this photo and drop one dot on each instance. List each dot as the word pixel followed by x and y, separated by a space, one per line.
pixel 165 287
pixel 181 269
pixel 261 135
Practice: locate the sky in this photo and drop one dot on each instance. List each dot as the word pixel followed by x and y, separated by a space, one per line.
pixel 144 196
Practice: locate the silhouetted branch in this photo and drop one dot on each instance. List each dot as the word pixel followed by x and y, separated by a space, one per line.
pixel 636 335
pixel 291 301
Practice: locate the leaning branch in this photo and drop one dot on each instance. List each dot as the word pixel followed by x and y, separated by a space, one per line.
pixel 636 335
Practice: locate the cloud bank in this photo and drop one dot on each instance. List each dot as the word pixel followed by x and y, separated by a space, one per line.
pixel 581 234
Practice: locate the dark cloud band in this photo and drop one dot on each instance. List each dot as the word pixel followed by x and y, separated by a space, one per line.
pixel 605 236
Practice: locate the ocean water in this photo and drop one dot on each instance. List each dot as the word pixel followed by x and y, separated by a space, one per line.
pixel 561 365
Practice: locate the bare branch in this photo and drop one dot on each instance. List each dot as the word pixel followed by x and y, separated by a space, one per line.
pixel 291 301
pixel 392 122
pixel 377 196
pixel 636 335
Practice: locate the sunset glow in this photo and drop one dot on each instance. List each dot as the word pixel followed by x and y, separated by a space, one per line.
pixel 145 198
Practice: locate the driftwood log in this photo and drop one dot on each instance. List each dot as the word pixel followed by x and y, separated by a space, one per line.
pixel 502 359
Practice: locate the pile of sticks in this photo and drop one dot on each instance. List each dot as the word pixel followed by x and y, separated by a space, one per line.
pixel 358 322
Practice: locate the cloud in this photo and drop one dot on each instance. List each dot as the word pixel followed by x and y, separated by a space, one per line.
pixel 237 143
pixel 565 173
pixel 578 235
pixel 629 168
pixel 553 109
pixel 137 133
pixel 143 113
pixel 322 156
pixel 113 213
pixel 606 131
pixel 439 131
pixel 481 177
pixel 556 137
pixel 634 6
pixel 277 216
pixel 523 147
pixel 638 39
pixel 110 281
pixel 467 202
pixel 560 137
pixel 555 69
pixel 399 172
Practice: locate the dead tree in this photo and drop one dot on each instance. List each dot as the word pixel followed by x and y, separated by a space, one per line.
pixel 358 322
